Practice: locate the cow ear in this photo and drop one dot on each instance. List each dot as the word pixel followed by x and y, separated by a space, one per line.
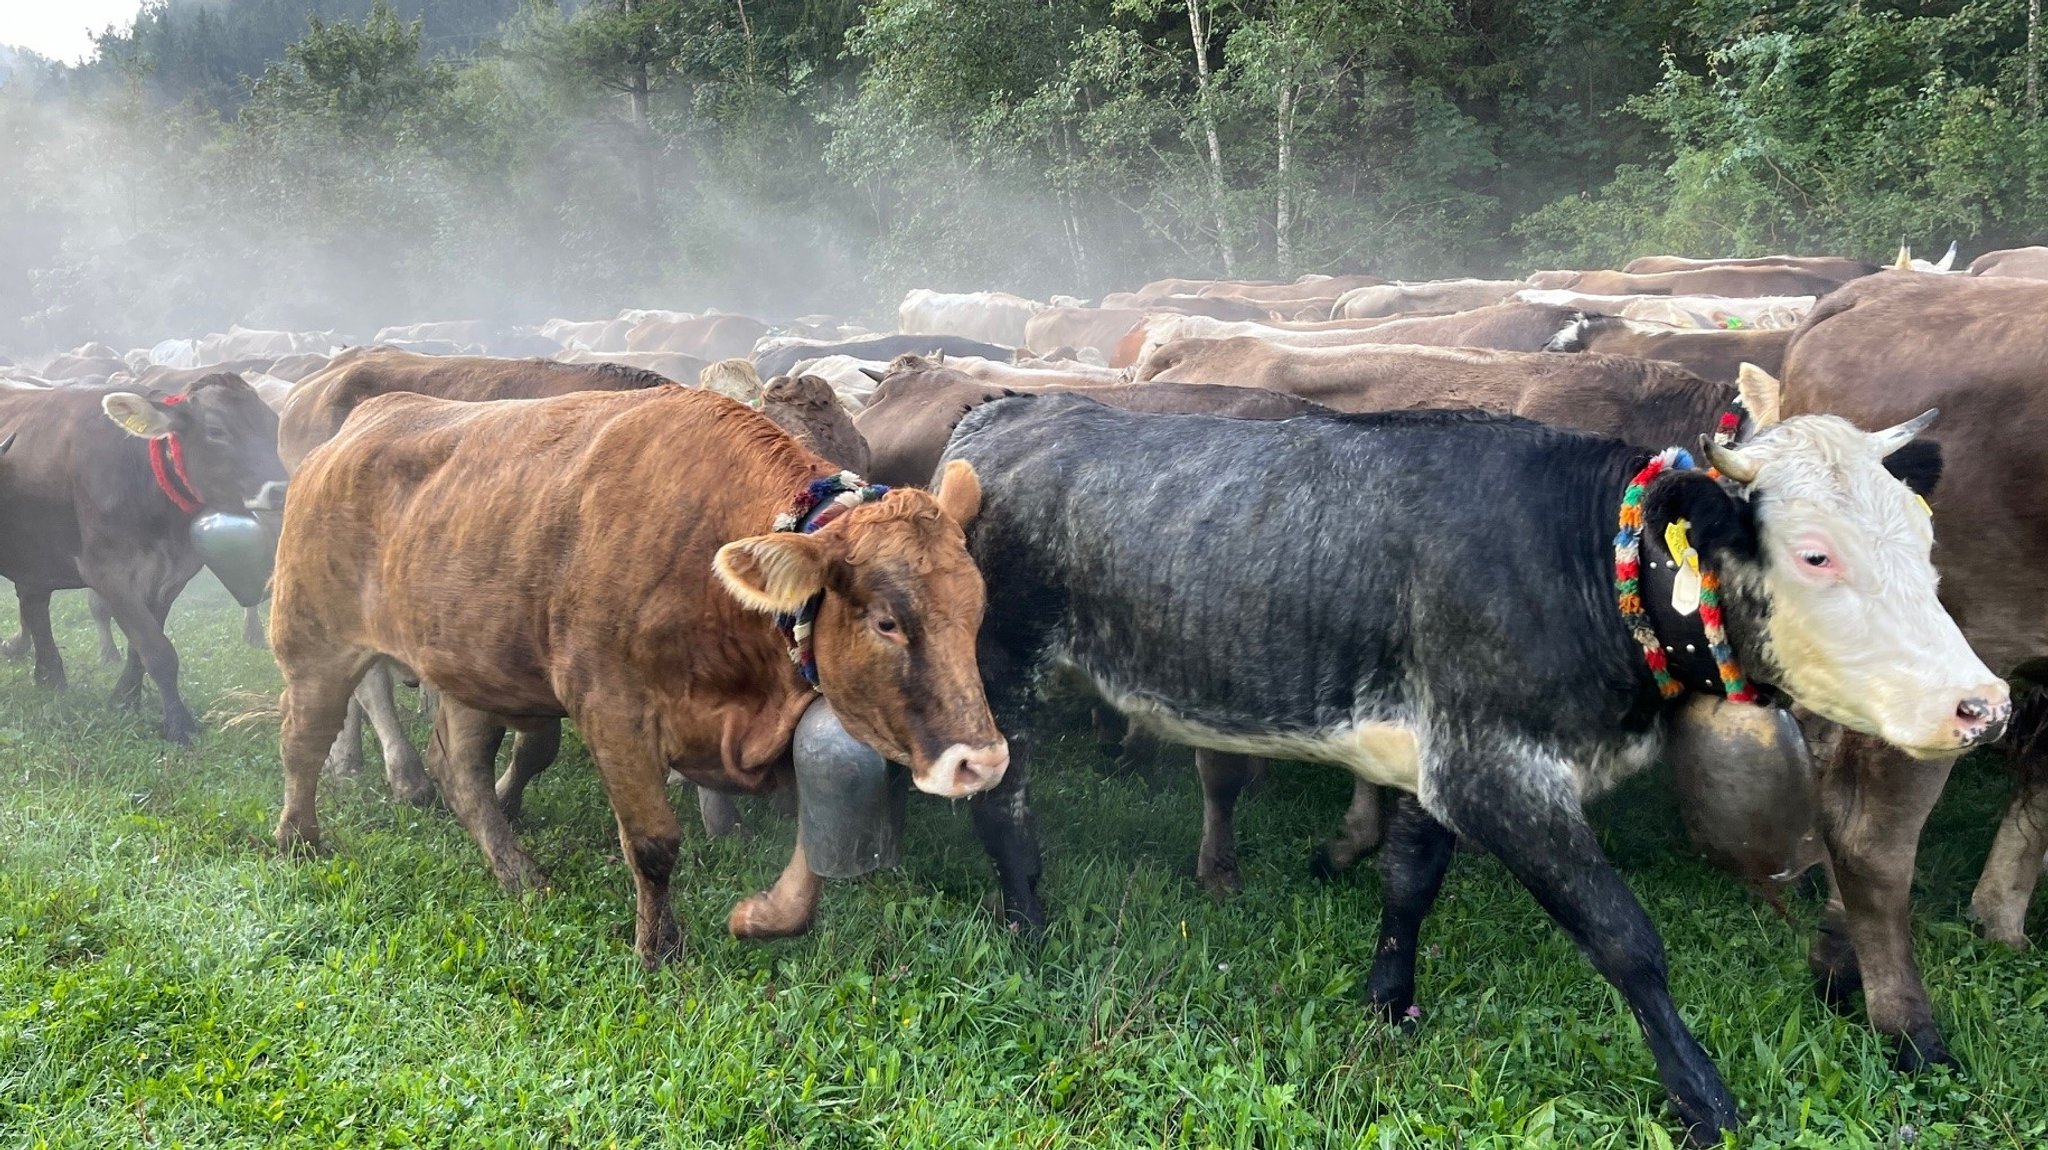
pixel 1719 522
pixel 1760 394
pixel 772 572
pixel 959 492
pixel 138 415
pixel 1917 465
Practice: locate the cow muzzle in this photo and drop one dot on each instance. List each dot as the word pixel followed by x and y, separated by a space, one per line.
pixel 962 770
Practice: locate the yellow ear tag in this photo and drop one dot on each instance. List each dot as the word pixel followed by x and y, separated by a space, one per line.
pixel 136 425
pixel 1685 583
pixel 1922 501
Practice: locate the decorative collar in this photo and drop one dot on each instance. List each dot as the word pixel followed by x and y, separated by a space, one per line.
pixel 167 463
pixel 1681 630
pixel 820 503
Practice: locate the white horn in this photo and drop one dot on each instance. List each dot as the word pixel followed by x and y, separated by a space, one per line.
pixel 1729 461
pixel 1948 261
pixel 1893 438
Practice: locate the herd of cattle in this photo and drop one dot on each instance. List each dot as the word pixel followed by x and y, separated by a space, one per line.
pixel 1447 535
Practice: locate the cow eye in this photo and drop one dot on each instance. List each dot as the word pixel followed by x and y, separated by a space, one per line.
pixel 1816 559
pixel 885 625
pixel 216 433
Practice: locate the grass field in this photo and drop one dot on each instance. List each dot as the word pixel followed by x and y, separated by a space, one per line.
pixel 165 980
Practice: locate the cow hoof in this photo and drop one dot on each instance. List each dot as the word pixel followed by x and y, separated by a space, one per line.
pixel 1838 989
pixel 293 842
pixel 760 917
pixel 665 947
pixel 1221 878
pixel 15 648
pixel 1922 1050
pixel 517 873
pixel 342 764
pixel 181 729
pixel 2003 925
pixel 409 783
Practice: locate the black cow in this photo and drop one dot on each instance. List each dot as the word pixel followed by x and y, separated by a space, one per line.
pixel 880 349
pixel 1428 599
pixel 102 488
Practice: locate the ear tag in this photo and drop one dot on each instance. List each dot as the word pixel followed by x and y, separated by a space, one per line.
pixel 1685 585
pixel 1922 501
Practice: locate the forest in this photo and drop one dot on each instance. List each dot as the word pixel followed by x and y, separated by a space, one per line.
pixel 348 163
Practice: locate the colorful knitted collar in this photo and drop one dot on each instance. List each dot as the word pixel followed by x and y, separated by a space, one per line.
pixel 167 463
pixel 1628 589
pixel 820 503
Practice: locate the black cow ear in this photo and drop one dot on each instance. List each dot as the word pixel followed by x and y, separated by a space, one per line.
pixel 1719 522
pixel 1917 465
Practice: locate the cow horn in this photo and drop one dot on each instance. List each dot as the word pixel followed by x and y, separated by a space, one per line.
pixel 1948 261
pixel 1893 438
pixel 871 373
pixel 1905 261
pixel 1729 461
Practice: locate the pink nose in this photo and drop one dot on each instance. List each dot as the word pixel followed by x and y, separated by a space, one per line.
pixel 1982 720
pixel 964 770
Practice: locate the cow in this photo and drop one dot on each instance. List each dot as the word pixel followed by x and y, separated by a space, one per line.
pixel 1631 399
pixel 1714 355
pixel 588 335
pixel 316 410
pixel 672 366
pixel 610 557
pixel 734 378
pixel 2026 263
pixel 463 331
pixel 1837 268
pixel 1080 327
pixel 782 359
pixel 1439 612
pixel 1215 307
pixel 852 380
pixel 239 342
pixel 806 407
pixel 1721 280
pixel 1429 297
pixel 1509 326
pixel 711 337
pixel 102 488
pixel 990 316
pixel 1067 376
pixel 919 402
pixel 1986 371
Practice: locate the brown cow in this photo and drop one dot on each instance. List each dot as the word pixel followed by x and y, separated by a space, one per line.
pixel 316 410
pixel 1837 268
pixel 1709 354
pixel 672 366
pixel 709 337
pixel 556 559
pixel 806 407
pixel 914 411
pixel 1628 398
pixel 2024 263
pixel 1511 326
pixel 1988 372
pixel 1738 282
pixel 102 488
pixel 1080 327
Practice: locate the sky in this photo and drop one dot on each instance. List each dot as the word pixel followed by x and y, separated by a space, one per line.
pixel 60 29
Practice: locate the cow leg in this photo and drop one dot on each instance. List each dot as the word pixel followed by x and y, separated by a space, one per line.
pixel 402 771
pixel 252 629
pixel 2006 888
pixel 1873 802
pixel 1009 833
pixel 16 646
pixel 533 751
pixel 1525 812
pixel 35 623
pixel 1358 838
pixel 103 622
pixel 720 816
pixel 465 749
pixel 1224 778
pixel 142 619
pixel 1836 976
pixel 1417 855
pixel 635 777
pixel 783 910
pixel 315 704
pixel 345 757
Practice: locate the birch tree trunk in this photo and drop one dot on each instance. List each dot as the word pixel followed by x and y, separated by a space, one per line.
pixel 1198 29
pixel 2033 60
pixel 1283 207
pixel 636 96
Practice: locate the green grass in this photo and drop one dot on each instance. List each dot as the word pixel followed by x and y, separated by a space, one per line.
pixel 166 980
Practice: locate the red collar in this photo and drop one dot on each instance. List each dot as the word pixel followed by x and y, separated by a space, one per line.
pixel 171 479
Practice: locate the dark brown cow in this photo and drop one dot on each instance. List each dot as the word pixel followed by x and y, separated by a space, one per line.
pixel 1710 354
pixel 312 415
pixel 556 559
pixel 709 337
pixel 2023 263
pixel 1737 282
pixel 919 402
pixel 806 408
pixel 1836 268
pixel 1628 398
pixel 85 508
pixel 1986 366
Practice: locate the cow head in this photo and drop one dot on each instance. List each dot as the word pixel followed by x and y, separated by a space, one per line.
pixel 895 635
pixel 1822 534
pixel 227 435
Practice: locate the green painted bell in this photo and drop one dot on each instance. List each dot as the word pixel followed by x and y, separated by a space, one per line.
pixel 240 550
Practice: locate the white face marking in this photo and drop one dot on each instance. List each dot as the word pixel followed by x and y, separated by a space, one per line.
pixel 1855 629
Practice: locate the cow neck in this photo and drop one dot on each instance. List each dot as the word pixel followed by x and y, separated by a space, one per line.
pixel 167 464
pixel 820 502
pixel 1685 651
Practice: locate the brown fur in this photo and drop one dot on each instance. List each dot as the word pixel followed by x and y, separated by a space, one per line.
pixel 1837 268
pixel 1714 355
pixel 1080 327
pixel 807 409
pixel 1512 326
pixel 1879 351
pixel 555 558
pixel 710 337
pixel 2023 263
pixel 1741 282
